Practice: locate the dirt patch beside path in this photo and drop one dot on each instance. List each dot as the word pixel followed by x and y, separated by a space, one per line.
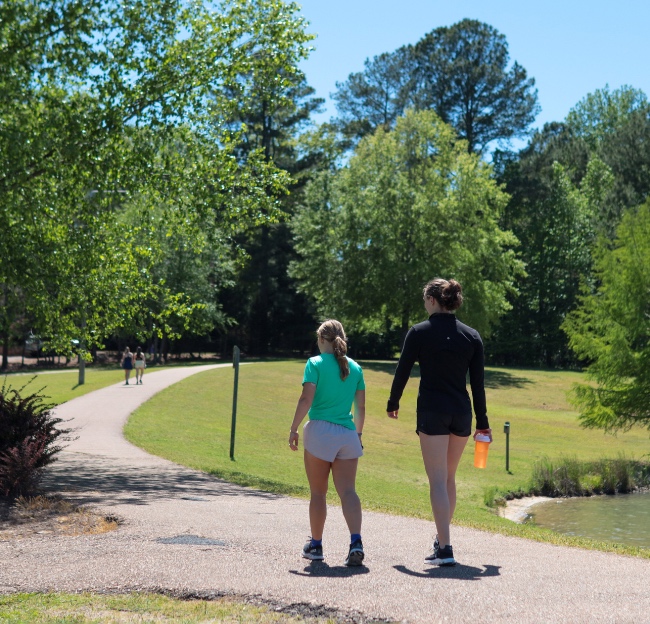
pixel 48 515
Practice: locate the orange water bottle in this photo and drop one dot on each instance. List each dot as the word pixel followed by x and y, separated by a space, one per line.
pixel 481 450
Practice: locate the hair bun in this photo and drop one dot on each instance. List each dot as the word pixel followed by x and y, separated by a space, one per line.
pixel 449 294
pixel 452 295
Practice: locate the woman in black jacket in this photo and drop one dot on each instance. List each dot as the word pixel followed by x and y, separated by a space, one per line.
pixel 446 350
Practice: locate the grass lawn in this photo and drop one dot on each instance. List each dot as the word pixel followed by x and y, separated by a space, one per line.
pixel 189 423
pixel 100 608
pixel 60 387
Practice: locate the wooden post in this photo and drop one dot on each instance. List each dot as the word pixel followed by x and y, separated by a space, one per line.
pixel 235 363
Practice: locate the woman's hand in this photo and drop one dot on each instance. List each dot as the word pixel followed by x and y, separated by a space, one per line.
pixel 293 440
pixel 487 432
pixel 393 414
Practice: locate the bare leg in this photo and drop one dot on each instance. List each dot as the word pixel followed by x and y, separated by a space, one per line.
pixel 344 473
pixel 318 472
pixel 441 455
pixel 454 453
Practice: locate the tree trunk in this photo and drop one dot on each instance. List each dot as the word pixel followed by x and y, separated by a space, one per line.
pixel 5 329
pixel 404 327
pixel 82 352
pixel 5 348
pixel 259 329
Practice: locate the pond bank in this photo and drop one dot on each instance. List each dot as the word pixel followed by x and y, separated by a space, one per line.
pixel 517 508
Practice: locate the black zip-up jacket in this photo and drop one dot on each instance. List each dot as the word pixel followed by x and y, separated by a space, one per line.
pixel 446 349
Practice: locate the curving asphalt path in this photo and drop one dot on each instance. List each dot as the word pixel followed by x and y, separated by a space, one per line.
pixel 249 543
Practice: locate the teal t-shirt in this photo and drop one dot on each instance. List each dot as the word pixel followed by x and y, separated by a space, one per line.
pixel 334 397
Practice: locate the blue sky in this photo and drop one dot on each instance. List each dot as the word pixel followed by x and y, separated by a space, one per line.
pixel 570 47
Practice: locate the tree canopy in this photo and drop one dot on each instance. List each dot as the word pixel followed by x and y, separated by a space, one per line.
pixel 119 104
pixel 378 95
pixel 611 330
pixel 411 205
pixel 461 72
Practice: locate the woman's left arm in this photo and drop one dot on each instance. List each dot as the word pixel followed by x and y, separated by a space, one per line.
pixel 359 410
pixel 304 403
pixel 477 383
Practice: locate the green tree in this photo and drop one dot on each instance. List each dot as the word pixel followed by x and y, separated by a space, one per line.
pixel 461 72
pixel 611 330
pixel 411 205
pixel 603 153
pixel 615 126
pixel 553 221
pixel 377 96
pixel 268 116
pixel 79 83
pixel 602 113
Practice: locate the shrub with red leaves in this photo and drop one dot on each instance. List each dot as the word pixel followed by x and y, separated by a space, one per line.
pixel 28 440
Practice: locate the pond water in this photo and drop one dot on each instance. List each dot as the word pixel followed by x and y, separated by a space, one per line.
pixel 623 518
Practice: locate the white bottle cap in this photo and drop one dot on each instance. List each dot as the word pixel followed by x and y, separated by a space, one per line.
pixel 482 437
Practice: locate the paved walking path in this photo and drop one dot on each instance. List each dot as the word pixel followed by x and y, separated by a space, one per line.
pixel 251 542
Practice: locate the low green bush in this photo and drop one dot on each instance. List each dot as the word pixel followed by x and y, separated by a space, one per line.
pixel 28 440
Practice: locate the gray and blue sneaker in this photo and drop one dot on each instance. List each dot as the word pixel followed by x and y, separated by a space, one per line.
pixel 434 551
pixel 355 556
pixel 441 556
pixel 315 553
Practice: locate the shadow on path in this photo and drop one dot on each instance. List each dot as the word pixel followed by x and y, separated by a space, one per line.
pixel 459 572
pixel 104 482
pixel 322 569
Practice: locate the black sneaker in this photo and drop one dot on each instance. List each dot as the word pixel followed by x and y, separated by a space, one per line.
pixel 355 556
pixel 315 553
pixel 442 557
pixel 434 551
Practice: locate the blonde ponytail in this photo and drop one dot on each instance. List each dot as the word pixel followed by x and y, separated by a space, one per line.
pixel 332 331
pixel 340 349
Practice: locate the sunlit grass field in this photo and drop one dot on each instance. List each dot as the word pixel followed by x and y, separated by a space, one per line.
pixel 189 423
pixel 59 387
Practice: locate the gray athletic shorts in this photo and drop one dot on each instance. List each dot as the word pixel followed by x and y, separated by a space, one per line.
pixel 328 441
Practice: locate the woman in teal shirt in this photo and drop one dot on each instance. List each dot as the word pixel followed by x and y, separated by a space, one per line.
pixel 332 437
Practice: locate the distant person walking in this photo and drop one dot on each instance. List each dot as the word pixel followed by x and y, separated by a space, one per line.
pixel 140 363
pixel 446 350
pixel 332 382
pixel 127 364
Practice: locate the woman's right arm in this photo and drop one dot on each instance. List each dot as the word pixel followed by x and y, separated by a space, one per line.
pixel 407 359
pixel 304 403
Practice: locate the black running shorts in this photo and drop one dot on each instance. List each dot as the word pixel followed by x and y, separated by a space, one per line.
pixel 444 424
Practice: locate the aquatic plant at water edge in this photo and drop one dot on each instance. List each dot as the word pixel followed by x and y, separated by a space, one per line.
pixel 570 477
